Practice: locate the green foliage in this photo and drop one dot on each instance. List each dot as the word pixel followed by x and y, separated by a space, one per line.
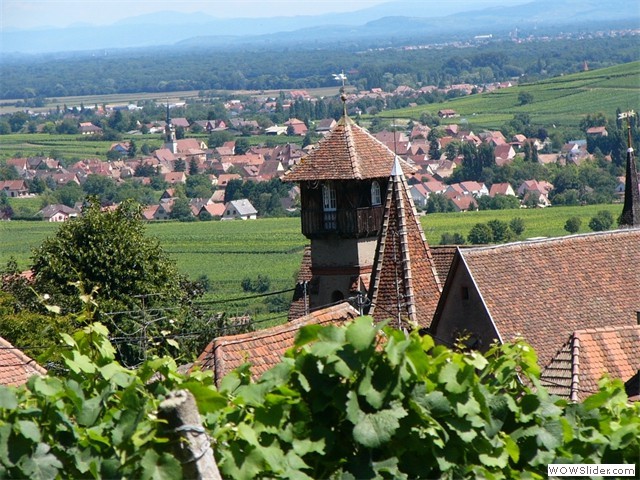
pixel 498 202
pixel 452 239
pixel 573 224
pixel 501 231
pixel 360 400
pixel 260 285
pixel 517 226
pixel 480 234
pixel 602 221
pixel 438 203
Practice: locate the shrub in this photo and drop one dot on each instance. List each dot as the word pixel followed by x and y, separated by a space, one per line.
pixel 573 224
pixel 452 239
pixel 480 233
pixel 602 221
pixel 517 226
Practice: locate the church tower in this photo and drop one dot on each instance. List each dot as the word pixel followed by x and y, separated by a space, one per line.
pixel 342 183
pixel 630 216
pixel 170 141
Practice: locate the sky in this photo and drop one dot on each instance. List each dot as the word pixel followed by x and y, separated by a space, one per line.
pixel 24 14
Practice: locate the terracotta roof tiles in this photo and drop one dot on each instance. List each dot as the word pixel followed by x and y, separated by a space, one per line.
pixel 264 348
pixel 404 273
pixel 545 290
pixel 348 152
pixel 16 367
pixel 588 355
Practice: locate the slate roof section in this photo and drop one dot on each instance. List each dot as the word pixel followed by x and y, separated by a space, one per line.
pixel 589 354
pixel 404 282
pixel 348 152
pixel 16 367
pixel 264 348
pixel 545 290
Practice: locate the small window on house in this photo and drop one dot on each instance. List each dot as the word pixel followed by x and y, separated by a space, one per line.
pixel 329 202
pixel 376 199
pixel 464 293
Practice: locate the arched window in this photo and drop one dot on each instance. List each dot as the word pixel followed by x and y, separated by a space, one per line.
pixel 376 199
pixel 336 296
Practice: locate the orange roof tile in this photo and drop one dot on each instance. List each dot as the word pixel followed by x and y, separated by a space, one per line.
pixel 264 348
pixel 404 273
pixel 16 367
pixel 347 152
pixel 544 290
pixel 588 355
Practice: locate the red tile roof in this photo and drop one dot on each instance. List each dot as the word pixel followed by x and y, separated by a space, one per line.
pixel 404 273
pixel 264 348
pixel 545 290
pixel 300 303
pixel 16 367
pixel 347 152
pixel 588 355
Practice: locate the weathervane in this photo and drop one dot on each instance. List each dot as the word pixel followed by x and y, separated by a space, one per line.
pixel 341 77
pixel 628 116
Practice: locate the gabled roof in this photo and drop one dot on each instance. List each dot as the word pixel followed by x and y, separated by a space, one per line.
pixel 404 283
pixel 588 355
pixel 16 367
pixel 348 152
pixel 545 290
pixel 243 207
pixel 264 348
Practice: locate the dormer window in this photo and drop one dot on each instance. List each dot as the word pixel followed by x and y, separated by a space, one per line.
pixel 376 199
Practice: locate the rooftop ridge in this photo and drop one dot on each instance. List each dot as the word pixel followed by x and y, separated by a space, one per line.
pixel 547 240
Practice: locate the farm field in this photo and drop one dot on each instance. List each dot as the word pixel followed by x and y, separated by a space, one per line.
pixel 560 101
pixel 227 252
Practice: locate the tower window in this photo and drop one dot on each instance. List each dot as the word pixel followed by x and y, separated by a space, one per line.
pixel 376 199
pixel 329 202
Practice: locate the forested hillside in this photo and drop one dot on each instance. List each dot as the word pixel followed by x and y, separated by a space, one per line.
pixel 174 69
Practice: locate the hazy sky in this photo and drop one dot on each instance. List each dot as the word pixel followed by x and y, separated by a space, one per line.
pixel 62 13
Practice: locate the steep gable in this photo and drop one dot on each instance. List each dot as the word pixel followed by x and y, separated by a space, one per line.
pixel 404 284
pixel 542 291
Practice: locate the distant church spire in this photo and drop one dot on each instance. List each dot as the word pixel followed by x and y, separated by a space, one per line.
pixel 630 216
pixel 170 141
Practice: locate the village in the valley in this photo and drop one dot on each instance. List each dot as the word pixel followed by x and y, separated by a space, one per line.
pixel 491 353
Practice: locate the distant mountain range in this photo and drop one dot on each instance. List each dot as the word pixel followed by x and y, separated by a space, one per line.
pixel 395 21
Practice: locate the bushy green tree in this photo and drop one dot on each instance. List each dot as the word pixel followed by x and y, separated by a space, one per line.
pixel 480 234
pixel 501 231
pixel 107 255
pixel 573 224
pixel 517 226
pixel 602 221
